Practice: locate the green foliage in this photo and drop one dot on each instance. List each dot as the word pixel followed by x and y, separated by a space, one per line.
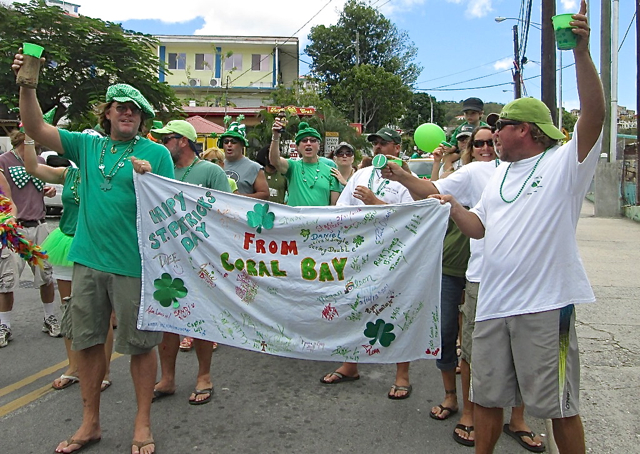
pixel 362 45
pixel 260 217
pixel 169 290
pixel 419 111
pixel 568 120
pixel 83 57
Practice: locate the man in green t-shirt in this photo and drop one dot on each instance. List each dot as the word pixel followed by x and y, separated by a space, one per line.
pixel 107 270
pixel 179 137
pixel 310 180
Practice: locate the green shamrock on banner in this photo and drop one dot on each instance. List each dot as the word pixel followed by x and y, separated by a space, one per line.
pixel 305 233
pixel 358 240
pixel 381 332
pixel 260 217
pixel 169 290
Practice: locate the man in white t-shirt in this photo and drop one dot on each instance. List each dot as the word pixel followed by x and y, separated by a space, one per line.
pixel 524 343
pixel 368 187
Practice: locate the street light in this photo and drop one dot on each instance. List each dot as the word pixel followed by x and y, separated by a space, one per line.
pixel 502 19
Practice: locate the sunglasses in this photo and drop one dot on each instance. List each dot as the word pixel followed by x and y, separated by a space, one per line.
pixel 502 123
pixel 167 139
pixel 481 143
pixel 309 139
pixel 122 108
pixel 382 143
pixel 228 141
pixel 344 153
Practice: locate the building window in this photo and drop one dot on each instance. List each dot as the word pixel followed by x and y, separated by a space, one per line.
pixel 233 62
pixel 204 62
pixel 260 62
pixel 177 61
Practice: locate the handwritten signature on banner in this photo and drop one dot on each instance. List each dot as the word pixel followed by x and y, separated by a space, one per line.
pixel 327 283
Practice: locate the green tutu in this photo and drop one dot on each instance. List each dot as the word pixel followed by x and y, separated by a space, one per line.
pixel 57 246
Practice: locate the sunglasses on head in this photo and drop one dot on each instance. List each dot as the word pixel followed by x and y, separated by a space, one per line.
pixel 167 139
pixel 502 123
pixel 309 139
pixel 122 108
pixel 228 141
pixel 344 153
pixel 480 143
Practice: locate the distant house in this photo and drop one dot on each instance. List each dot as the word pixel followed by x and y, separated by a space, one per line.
pixel 218 73
pixel 70 8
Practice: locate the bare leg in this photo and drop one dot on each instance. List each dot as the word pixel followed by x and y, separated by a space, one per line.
pixel 204 352
pixel 64 289
pixel 108 350
pixel 450 396
pixel 402 379
pixel 569 435
pixel 488 424
pixel 90 370
pixel 467 406
pixel 6 302
pixel 517 424
pixel 347 369
pixel 168 351
pixel 47 293
pixel 143 372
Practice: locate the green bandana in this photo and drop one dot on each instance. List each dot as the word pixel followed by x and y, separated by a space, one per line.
pixel 126 93
pixel 304 130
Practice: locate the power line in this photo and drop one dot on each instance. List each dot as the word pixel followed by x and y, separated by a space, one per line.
pixel 627 32
pixel 475 78
pixel 463 71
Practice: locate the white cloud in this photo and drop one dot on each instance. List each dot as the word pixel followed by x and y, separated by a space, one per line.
pixel 570 5
pixel 505 63
pixel 475 8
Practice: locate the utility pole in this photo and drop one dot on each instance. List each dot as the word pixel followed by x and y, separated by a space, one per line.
pixel 358 101
pixel 614 80
pixel 517 88
pixel 548 57
pixel 637 102
pixel 605 71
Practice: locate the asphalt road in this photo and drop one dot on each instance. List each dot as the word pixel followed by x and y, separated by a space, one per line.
pixel 268 404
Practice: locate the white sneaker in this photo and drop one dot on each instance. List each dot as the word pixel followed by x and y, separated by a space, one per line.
pixel 51 326
pixel 5 335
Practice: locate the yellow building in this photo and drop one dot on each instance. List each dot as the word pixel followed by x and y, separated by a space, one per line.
pixel 227 71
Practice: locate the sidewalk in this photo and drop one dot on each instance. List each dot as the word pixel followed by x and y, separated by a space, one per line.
pixel 609 339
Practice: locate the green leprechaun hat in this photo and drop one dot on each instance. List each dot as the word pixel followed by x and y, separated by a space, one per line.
pixel 235 130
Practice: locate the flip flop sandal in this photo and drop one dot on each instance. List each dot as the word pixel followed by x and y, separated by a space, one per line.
pixel 517 436
pixel 199 392
pixel 105 385
pixel 157 395
pixel 142 444
pixel 82 443
pixel 439 417
pixel 341 378
pixel 395 388
pixel 71 380
pixel 186 344
pixel 463 441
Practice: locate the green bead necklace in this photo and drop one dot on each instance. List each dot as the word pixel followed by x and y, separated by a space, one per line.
pixel 380 189
pixel 304 178
pixel 195 161
pixel 525 181
pixel 106 184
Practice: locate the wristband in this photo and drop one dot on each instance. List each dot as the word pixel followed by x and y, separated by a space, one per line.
pixel 29 142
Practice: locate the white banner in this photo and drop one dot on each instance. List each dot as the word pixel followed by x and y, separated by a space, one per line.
pixel 359 284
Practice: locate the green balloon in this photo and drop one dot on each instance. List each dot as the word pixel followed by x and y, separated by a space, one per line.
pixel 428 136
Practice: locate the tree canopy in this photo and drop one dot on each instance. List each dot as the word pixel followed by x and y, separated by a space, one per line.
pixel 83 57
pixel 419 111
pixel 364 47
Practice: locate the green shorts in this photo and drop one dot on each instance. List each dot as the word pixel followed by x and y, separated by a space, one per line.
pixel 94 294
pixel 468 319
pixel 531 359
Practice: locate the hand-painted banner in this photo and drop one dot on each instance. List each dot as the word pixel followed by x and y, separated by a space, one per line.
pixel 359 284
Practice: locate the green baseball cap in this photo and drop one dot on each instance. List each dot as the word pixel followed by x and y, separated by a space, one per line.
pixel 184 128
pixel 388 134
pixel 126 93
pixel 531 110
pixel 304 130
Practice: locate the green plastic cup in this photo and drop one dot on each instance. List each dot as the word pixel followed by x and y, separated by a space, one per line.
pixel 32 49
pixel 565 38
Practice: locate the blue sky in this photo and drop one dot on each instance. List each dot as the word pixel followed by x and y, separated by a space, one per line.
pixel 457 40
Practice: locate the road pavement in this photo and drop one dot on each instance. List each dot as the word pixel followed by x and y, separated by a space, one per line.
pixel 267 404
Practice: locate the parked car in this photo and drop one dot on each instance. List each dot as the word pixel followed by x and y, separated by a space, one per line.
pixel 421 167
pixel 53 204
